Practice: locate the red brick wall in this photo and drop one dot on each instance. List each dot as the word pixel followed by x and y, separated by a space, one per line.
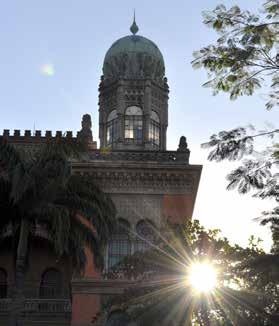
pixel 178 208
pixel 84 308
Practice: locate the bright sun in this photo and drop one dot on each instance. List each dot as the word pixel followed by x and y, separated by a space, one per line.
pixel 203 277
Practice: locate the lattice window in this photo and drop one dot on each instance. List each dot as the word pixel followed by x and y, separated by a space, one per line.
pixel 112 128
pixel 154 129
pixel 133 124
pixel 119 244
pixel 3 283
pixel 51 284
pixel 145 235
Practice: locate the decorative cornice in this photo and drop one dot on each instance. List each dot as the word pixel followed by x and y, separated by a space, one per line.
pixel 145 182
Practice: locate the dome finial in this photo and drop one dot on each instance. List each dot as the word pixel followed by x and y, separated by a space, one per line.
pixel 134 28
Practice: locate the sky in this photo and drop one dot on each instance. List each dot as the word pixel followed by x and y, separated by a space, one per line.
pixel 51 61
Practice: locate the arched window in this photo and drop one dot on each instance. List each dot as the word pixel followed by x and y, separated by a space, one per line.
pixel 51 284
pixel 119 244
pixel 154 129
pixel 112 128
pixel 145 235
pixel 3 284
pixel 133 124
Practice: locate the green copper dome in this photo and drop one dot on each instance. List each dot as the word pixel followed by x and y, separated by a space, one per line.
pixel 134 56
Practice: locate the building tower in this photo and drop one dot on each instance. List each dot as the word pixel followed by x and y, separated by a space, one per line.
pixel 133 95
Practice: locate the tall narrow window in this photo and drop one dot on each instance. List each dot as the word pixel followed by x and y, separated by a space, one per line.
pixel 133 125
pixel 112 128
pixel 119 244
pixel 51 284
pixel 3 284
pixel 145 235
pixel 154 129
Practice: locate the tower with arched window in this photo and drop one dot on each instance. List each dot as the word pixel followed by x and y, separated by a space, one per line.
pixel 149 184
pixel 133 95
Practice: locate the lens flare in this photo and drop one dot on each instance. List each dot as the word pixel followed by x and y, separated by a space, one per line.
pixel 47 69
pixel 203 277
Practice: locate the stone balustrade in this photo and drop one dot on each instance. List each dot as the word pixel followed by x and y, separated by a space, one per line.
pixel 47 305
pixel 39 306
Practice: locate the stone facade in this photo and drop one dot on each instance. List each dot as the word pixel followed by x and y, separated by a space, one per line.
pixel 132 164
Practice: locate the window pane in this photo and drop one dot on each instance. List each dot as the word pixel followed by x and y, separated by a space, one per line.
pixel 154 116
pixel 133 128
pixel 133 110
pixel 112 116
pixel 112 131
pixel 119 245
pixel 154 129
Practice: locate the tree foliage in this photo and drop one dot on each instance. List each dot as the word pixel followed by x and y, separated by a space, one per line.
pixel 245 295
pixel 245 56
pixel 42 190
pixel 243 59
pixel 39 192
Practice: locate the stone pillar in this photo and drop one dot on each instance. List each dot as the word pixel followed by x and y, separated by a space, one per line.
pixel 163 137
pixel 121 128
pixel 121 111
pixel 146 111
pixel 102 135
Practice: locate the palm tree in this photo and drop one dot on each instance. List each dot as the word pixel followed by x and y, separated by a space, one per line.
pixel 39 190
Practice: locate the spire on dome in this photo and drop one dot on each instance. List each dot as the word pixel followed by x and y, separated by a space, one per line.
pixel 134 28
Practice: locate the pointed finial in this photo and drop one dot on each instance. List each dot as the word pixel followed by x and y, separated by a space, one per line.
pixel 134 28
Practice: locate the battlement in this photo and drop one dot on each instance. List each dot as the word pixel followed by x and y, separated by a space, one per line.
pixel 26 137
pixel 38 134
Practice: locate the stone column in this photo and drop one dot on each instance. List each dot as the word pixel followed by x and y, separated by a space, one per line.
pixel 102 135
pixel 163 137
pixel 121 111
pixel 146 111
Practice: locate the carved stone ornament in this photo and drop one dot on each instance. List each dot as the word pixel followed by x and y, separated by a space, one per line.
pixel 143 182
pixel 183 146
pixel 86 124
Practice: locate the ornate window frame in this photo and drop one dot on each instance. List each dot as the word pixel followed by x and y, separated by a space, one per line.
pixel 119 246
pixel 112 129
pixel 51 284
pixel 154 129
pixel 133 125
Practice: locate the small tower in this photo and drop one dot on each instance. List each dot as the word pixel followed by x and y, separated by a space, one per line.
pixel 133 95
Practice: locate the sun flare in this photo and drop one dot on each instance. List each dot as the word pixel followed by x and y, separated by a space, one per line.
pixel 47 69
pixel 203 277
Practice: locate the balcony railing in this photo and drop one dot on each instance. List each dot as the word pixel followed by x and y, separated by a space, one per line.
pixel 52 306
pixel 47 305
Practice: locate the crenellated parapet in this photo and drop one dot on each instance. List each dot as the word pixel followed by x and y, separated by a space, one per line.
pixel 39 137
pixel 29 138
